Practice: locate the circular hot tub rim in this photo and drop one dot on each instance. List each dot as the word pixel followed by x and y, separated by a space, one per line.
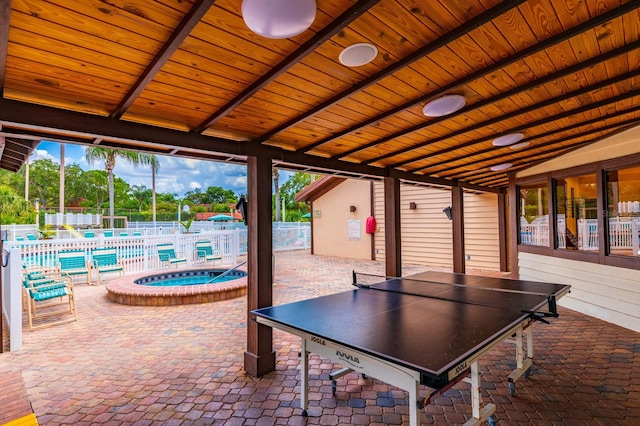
pixel 192 272
pixel 125 291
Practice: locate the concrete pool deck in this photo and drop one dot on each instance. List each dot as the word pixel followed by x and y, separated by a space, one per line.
pixel 183 365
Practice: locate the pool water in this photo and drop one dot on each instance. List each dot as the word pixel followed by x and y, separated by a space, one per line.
pixel 188 277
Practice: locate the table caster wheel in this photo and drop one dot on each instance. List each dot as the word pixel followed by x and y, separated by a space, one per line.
pixel 512 389
pixel 333 387
pixel 304 413
pixel 491 421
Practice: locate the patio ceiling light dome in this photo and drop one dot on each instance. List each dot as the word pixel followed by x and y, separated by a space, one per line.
pixel 278 18
pixel 507 140
pixel 520 145
pixel 445 105
pixel 358 54
pixel 501 167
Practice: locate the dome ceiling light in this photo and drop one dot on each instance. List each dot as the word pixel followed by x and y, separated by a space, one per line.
pixel 278 18
pixel 358 54
pixel 501 167
pixel 520 145
pixel 444 106
pixel 507 140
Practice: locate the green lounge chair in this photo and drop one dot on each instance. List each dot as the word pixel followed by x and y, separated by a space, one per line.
pixel 106 261
pixel 72 263
pixel 167 256
pixel 205 252
pixel 44 293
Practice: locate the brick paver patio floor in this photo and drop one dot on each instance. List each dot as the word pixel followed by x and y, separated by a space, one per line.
pixel 183 365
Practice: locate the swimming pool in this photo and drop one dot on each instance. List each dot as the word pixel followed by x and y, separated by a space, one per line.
pixel 148 289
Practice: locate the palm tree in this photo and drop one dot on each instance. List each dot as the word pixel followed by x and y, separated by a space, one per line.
pixel 155 165
pixel 109 157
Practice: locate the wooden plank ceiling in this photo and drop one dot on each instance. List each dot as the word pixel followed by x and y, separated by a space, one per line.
pixel 563 73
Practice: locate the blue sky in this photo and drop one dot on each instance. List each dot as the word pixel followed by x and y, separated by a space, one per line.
pixel 175 175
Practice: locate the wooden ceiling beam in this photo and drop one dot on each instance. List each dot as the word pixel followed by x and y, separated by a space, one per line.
pixel 522 128
pixel 546 120
pixel 503 95
pixel 540 156
pixel 499 159
pixel 181 32
pixel 308 47
pixel 5 14
pixel 540 136
pixel 43 118
pixel 572 32
pixel 549 102
pixel 469 26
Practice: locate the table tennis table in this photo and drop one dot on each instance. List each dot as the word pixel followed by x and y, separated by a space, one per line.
pixel 425 329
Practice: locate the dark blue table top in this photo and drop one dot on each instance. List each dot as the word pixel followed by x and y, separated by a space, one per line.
pixel 415 323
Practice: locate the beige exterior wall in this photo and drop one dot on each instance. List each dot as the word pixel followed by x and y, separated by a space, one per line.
pixel 481 237
pixel 427 234
pixel 331 226
pixel 606 292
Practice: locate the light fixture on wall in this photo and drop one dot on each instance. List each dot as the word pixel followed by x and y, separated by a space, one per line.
pixel 445 105
pixel 352 209
pixel 278 18
pixel 412 206
pixel 447 211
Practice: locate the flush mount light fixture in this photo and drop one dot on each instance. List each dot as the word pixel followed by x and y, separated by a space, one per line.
pixel 278 18
pixel 501 167
pixel 444 106
pixel 520 145
pixel 507 140
pixel 358 54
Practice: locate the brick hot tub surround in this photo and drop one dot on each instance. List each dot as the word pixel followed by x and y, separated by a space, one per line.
pixel 125 291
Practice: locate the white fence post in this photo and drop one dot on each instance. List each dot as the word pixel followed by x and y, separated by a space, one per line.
pixel 12 300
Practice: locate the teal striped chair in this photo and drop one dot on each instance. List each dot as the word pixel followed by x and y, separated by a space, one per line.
pixel 167 256
pixel 73 263
pixel 106 261
pixel 45 293
pixel 205 252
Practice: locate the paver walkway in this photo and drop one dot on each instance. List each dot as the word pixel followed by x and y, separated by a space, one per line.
pixel 183 365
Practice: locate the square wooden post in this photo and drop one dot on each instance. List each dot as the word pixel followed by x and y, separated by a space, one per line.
pixel 259 358
pixel 392 228
pixel 457 217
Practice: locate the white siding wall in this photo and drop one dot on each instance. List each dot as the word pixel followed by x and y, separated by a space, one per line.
pixel 605 292
pixel 427 235
pixel 481 238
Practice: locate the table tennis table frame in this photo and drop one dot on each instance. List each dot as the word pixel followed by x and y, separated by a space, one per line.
pixel 408 379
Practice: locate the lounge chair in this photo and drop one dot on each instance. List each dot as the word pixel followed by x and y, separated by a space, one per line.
pixel 108 233
pixel 19 238
pixel 124 234
pixel 72 263
pixel 137 234
pixel 106 261
pixel 167 256
pixel 89 234
pixel 44 293
pixel 205 252
pixel 32 237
